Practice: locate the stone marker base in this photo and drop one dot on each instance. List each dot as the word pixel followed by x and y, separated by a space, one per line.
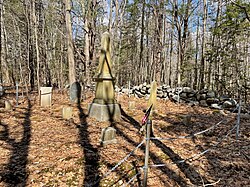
pixel 102 112
pixel 104 143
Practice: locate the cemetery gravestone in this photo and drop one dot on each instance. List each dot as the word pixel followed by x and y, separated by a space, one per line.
pixel 45 99
pixel 8 105
pixel 104 106
pixel 75 92
pixel 108 136
pixel 67 112
pixel 153 96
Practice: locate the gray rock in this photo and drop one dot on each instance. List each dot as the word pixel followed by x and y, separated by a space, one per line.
pixel 201 96
pixel 161 95
pixel 136 88
pixel 203 103
pixel 125 90
pixel 178 90
pixel 193 103
pixel 165 87
pixel 159 92
pixel 216 106
pixel 176 98
pixel 227 104
pixel 170 90
pixel 223 98
pixel 183 95
pixel 212 101
pixel 188 90
pixel 245 116
pixel 138 94
pixel 143 92
pixel 144 88
pixel 210 94
pixel 191 95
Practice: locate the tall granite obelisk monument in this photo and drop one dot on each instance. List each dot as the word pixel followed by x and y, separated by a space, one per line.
pixel 104 106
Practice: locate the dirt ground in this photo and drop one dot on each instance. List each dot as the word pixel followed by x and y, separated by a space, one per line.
pixel 40 148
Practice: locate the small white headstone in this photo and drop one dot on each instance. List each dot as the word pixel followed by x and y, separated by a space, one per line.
pixel 45 93
pixel 67 112
pixel 8 105
pixel 108 136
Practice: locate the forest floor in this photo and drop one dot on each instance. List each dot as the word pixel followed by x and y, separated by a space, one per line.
pixel 40 148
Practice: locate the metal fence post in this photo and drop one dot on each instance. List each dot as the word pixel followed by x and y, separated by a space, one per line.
pixel 148 128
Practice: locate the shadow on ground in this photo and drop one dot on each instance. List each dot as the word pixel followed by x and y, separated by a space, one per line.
pixel 188 170
pixel 90 154
pixel 15 172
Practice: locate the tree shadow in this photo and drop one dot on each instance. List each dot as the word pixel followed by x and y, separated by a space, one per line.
pixel 155 159
pixel 15 172
pixel 187 169
pixel 90 154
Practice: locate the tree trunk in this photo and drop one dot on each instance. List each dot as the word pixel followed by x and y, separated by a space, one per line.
pixel 203 45
pixel 35 22
pixel 70 46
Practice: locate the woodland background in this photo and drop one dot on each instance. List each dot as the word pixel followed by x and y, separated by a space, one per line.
pixel 200 44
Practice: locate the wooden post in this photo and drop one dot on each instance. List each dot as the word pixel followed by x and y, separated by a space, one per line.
pixel 238 121
pixel 148 127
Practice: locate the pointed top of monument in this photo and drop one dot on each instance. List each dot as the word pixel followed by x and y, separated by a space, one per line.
pixel 105 41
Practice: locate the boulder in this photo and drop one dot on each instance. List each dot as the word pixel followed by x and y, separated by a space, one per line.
pixel 201 96
pixel 125 90
pixel 216 106
pixel 212 101
pixel 183 95
pixel 176 98
pixel 138 94
pixel 227 104
pixel 203 103
pixel 178 90
pixel 210 94
pixel 187 90
pixel 193 103
pixel 223 98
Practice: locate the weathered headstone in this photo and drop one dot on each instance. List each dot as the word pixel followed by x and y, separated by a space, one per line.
pixel 75 92
pixel 45 93
pixel 67 112
pixel 153 96
pixel 131 105
pixel 108 136
pixel 104 106
pixel 8 105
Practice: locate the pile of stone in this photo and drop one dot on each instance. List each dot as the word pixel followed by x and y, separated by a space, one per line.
pixel 205 98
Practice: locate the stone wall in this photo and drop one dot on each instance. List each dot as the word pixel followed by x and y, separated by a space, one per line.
pixel 205 98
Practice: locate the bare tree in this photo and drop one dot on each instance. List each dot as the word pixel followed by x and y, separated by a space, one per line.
pixel 71 60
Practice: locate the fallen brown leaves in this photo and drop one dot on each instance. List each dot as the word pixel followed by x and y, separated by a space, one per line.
pixel 39 148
